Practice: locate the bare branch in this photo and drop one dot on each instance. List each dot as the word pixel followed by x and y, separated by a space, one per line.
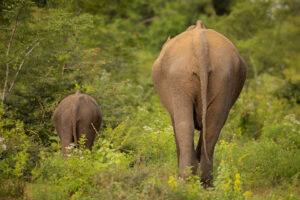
pixel 146 21
pixel 20 67
pixel 42 109
pixel 13 31
pixel 5 83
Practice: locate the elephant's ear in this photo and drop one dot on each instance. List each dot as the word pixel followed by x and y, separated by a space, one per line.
pixel 169 38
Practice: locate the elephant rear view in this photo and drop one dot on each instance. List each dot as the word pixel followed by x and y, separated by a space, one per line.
pixel 76 115
pixel 198 76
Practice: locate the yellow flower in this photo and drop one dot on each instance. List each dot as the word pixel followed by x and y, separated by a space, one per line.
pixel 237 183
pixel 74 196
pixel 172 181
pixel 224 143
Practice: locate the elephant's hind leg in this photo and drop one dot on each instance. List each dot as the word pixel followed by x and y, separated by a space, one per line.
pixel 216 116
pixel 66 138
pixel 176 142
pixel 184 133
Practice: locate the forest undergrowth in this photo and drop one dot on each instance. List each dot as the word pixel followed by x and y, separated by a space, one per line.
pixel 49 49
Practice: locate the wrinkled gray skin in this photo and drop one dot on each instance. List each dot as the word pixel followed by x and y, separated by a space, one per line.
pixel 198 76
pixel 76 115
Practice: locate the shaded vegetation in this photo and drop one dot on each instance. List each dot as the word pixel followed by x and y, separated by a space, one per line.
pixel 50 48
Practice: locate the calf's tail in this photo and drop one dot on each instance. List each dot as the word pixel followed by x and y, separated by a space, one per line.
pixel 74 123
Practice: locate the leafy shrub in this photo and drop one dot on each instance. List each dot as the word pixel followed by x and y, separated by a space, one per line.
pixel 291 91
pixel 268 163
pixel 18 155
pixel 75 173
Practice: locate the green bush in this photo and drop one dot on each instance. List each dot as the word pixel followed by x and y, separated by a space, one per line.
pixel 18 155
pixel 75 173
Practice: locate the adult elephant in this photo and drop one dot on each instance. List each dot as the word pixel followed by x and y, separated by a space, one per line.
pixel 76 115
pixel 198 76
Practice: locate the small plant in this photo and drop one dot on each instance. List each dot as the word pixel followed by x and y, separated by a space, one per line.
pixel 228 180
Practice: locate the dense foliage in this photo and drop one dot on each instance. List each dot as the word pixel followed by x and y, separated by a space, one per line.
pixel 50 48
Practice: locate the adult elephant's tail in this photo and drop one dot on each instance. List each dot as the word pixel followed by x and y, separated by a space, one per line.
pixel 202 60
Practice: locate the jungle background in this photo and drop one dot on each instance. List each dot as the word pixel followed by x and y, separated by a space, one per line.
pixel 51 48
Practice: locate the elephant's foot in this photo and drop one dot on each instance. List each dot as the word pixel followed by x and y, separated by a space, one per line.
pixel 207 185
pixel 207 182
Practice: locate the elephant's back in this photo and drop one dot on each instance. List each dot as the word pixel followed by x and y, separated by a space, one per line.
pixel 64 108
pixel 224 57
pixel 78 105
pixel 183 47
pixel 177 56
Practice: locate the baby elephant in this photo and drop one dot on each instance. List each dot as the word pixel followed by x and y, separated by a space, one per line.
pixel 76 115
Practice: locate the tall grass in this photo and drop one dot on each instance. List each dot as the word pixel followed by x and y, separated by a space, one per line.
pixel 257 156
